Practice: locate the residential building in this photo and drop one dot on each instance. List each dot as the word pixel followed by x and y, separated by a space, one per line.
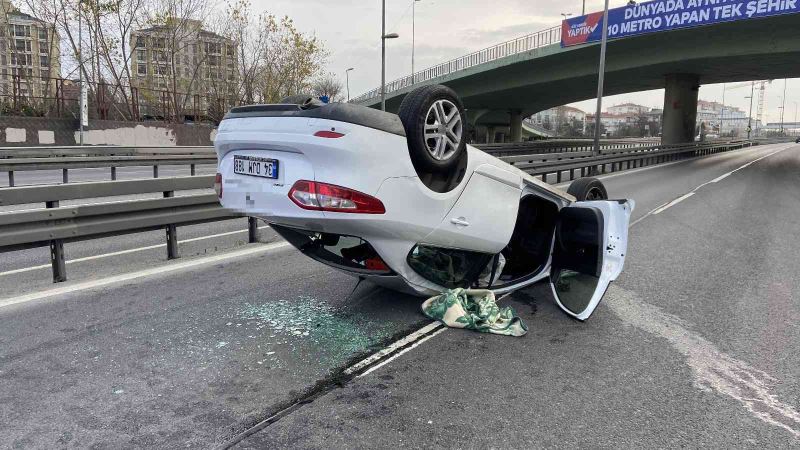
pixel 627 109
pixel 181 57
pixel 30 59
pixel 612 123
pixel 552 118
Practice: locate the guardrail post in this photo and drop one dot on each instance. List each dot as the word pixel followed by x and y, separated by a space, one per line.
pixel 113 174
pixel 10 178
pixel 65 176
pixel 57 253
pixel 252 230
pixel 172 234
pixel 192 169
pixel 155 171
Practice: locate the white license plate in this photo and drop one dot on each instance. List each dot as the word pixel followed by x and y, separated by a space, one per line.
pixel 255 166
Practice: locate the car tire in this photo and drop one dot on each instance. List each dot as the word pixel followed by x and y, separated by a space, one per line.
pixel 587 189
pixel 435 124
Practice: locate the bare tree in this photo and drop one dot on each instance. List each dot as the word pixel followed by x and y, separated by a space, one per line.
pixel 327 85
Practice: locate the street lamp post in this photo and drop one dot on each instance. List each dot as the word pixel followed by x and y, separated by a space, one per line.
pixel 384 37
pixel 600 79
pixel 347 77
pixel 565 15
pixel 783 105
pixel 583 10
pixel 750 114
pixel 413 34
pixel 80 72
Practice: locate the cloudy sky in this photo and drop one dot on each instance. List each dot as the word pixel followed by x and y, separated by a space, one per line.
pixel 446 29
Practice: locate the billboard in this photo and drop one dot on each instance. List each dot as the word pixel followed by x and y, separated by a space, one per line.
pixel 663 15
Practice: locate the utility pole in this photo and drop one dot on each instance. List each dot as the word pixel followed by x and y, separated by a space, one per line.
pixel 82 105
pixel 600 79
pixel 583 10
pixel 384 37
pixel 413 34
pixel 783 106
pixel 347 77
pixel 722 111
pixel 750 115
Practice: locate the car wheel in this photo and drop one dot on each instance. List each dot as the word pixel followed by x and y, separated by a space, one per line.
pixel 435 124
pixel 587 189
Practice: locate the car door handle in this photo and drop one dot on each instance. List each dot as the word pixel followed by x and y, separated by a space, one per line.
pixel 459 221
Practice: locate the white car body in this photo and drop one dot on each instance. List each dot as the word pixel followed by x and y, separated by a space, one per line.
pixel 478 216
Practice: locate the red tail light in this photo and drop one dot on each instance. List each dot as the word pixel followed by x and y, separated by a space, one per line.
pixel 328 134
pixel 218 185
pixel 328 197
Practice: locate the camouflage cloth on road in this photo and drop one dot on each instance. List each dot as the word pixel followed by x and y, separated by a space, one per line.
pixel 474 309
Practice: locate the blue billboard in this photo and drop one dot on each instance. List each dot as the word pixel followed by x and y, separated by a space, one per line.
pixel 663 15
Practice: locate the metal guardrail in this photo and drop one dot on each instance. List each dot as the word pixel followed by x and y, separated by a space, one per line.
pixel 24 159
pixel 56 225
pixel 515 46
pixel 612 160
pixel 563 145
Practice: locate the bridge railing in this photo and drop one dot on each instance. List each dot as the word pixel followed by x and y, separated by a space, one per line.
pixel 515 46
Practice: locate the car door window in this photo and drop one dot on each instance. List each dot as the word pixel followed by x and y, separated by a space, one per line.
pixel 591 239
pixel 450 268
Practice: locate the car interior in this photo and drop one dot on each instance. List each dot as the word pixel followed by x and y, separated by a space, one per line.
pixel 528 250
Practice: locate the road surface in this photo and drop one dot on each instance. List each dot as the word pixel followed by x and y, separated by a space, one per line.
pixel 693 346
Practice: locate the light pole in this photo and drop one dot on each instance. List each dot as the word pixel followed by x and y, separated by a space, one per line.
pixel 384 37
pixel 795 118
pixel 750 114
pixel 347 77
pixel 565 15
pixel 80 71
pixel 413 34
pixel 783 105
pixel 583 10
pixel 600 79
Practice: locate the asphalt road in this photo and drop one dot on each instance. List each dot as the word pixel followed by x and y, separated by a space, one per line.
pixel 692 346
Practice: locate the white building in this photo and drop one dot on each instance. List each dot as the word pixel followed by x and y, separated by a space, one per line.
pixel 552 118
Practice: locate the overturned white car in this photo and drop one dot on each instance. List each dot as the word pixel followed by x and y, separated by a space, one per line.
pixel 402 201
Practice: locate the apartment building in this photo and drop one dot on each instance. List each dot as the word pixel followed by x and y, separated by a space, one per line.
pixel 182 57
pixel 29 56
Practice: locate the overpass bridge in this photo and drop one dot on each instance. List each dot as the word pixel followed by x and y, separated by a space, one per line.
pixel 502 84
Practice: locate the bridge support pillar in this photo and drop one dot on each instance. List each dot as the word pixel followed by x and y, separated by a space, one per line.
pixel 491 134
pixel 680 108
pixel 516 125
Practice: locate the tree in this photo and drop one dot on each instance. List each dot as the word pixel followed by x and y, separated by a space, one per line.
pixel 327 85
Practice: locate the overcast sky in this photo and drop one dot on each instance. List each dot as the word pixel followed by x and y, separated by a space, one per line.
pixel 446 29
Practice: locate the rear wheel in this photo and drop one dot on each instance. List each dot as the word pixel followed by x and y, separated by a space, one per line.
pixel 588 189
pixel 434 120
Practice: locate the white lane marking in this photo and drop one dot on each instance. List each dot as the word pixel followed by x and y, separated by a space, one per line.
pixel 738 152
pixel 401 352
pixel 662 207
pixel 141 274
pixel 713 370
pixel 672 203
pixel 123 252
pixel 391 348
pixel 417 338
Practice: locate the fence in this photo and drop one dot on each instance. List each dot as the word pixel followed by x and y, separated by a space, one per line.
pixel 58 97
pixel 515 46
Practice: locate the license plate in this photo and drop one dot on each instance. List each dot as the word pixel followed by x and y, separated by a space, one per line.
pixel 255 166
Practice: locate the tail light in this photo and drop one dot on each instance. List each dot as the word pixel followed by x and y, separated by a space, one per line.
pixel 328 197
pixel 218 185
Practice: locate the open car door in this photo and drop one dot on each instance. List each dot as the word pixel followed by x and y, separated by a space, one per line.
pixel 591 241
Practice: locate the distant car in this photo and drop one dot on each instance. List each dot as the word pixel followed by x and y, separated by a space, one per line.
pixel 797 141
pixel 402 201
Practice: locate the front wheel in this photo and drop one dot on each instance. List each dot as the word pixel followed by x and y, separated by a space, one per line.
pixel 588 189
pixel 434 120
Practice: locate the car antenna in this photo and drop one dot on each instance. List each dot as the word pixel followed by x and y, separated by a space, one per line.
pixel 360 279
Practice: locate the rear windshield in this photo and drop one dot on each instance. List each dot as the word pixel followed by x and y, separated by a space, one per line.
pixel 346 252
